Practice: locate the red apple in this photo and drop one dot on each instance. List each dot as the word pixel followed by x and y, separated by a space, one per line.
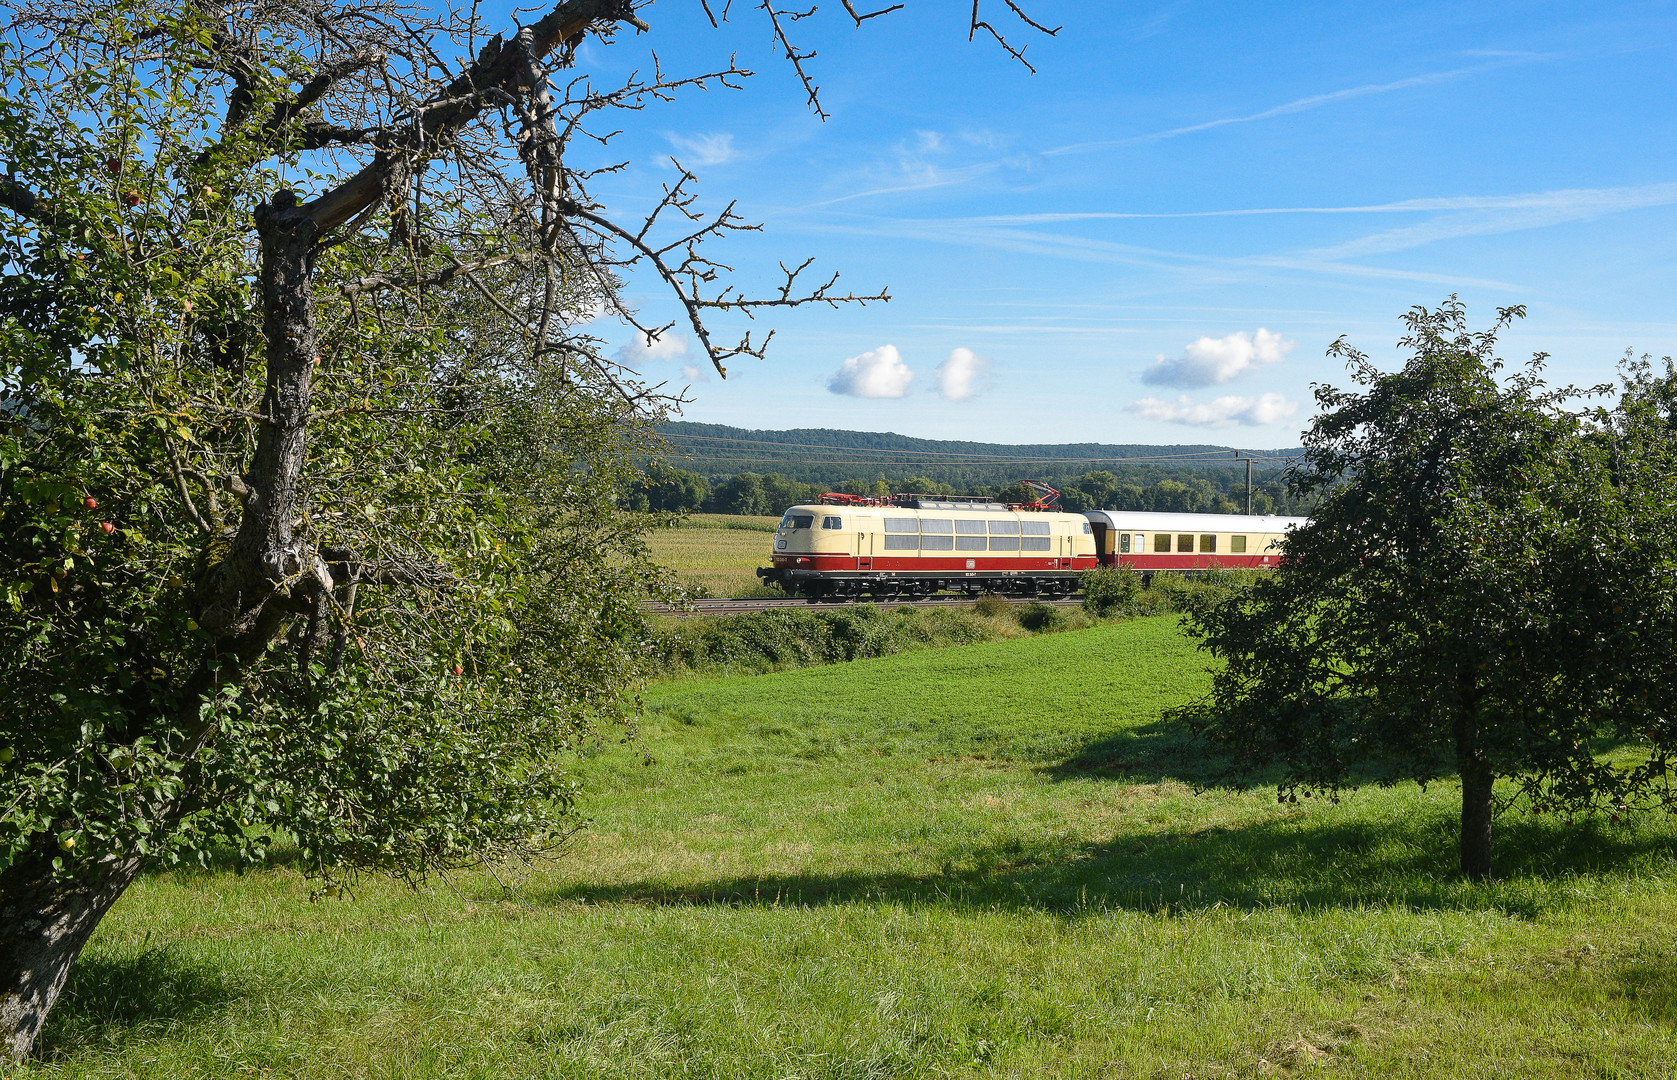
pixel 114 165
pixel 107 528
pixel 458 670
pixel 91 503
pixel 132 198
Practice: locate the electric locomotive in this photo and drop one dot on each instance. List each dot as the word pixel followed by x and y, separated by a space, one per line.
pixel 915 545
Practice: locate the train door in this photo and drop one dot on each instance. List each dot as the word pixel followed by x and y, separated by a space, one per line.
pixel 864 549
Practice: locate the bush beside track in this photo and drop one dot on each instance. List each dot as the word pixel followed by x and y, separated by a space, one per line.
pixel 797 637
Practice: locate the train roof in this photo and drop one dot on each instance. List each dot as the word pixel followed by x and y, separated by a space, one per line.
pixel 929 506
pixel 1146 521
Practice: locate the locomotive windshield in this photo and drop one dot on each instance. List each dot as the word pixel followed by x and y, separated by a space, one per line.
pixel 797 521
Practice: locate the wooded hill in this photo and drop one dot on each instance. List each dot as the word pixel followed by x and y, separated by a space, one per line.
pixel 739 470
pixel 825 455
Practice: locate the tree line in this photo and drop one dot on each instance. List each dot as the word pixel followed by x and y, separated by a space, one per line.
pixel 1188 491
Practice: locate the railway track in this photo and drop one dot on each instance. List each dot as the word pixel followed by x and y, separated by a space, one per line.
pixel 774 603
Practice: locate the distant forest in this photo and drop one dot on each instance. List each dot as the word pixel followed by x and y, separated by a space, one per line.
pixel 729 470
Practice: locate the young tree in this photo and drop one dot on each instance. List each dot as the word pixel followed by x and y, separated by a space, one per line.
pixel 308 512
pixel 1480 591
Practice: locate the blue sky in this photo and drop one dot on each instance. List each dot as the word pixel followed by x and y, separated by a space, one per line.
pixel 1155 238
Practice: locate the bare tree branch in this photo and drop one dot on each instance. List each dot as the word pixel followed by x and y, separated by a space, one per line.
pixel 860 17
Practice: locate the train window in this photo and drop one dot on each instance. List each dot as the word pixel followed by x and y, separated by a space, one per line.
pixel 1237 545
pixel 936 525
pixel 1037 543
pixel 1124 543
pixel 902 525
pixel 969 543
pixel 1184 542
pixel 798 521
pixel 832 523
pixel 1004 543
pixel 1035 528
pixel 967 526
pixel 1087 528
pixel 936 543
pixel 1208 543
pixel 1004 528
pixel 1161 541
pixel 901 543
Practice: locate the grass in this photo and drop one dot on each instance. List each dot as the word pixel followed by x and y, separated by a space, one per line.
pixel 980 861
pixel 718 553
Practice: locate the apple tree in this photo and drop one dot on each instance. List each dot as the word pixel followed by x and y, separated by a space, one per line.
pixel 307 457
pixel 1487 589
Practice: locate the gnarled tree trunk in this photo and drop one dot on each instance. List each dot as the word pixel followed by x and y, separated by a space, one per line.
pixel 44 923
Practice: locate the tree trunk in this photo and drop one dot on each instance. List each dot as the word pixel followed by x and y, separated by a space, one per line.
pixel 43 925
pixel 1477 778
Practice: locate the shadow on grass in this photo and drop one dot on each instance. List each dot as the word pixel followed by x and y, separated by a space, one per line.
pixel 1162 750
pixel 1292 862
pixel 110 999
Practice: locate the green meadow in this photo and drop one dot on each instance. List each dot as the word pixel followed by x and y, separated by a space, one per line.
pixel 1002 859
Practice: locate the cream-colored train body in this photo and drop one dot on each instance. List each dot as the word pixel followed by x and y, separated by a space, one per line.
pixel 926 546
pixel 1152 543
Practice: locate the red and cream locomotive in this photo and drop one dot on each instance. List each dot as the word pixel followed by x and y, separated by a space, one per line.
pixel 915 545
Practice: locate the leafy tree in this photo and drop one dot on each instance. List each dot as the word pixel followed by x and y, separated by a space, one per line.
pixel 672 490
pixel 743 494
pixel 309 518
pixel 1487 589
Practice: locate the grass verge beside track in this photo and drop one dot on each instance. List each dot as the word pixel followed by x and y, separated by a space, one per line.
pixel 982 861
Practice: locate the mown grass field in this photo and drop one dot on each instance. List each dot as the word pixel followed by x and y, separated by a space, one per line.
pixel 977 861
pixel 719 553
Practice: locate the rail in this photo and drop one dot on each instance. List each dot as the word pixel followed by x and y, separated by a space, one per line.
pixel 775 603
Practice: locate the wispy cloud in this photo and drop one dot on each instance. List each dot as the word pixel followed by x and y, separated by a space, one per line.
pixel 1483 217
pixel 919 178
pixel 1298 105
pixel 1261 411
pixel 1593 200
pixel 977 233
pixel 1024 328
pixel 716 148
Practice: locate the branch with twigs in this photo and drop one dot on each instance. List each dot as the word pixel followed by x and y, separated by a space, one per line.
pixel 1018 54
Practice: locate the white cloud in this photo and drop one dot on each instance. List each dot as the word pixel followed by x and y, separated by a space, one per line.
pixel 694 373
pixel 1260 411
pixel 666 346
pixel 877 373
pixel 1209 361
pixel 962 375
pixel 716 148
